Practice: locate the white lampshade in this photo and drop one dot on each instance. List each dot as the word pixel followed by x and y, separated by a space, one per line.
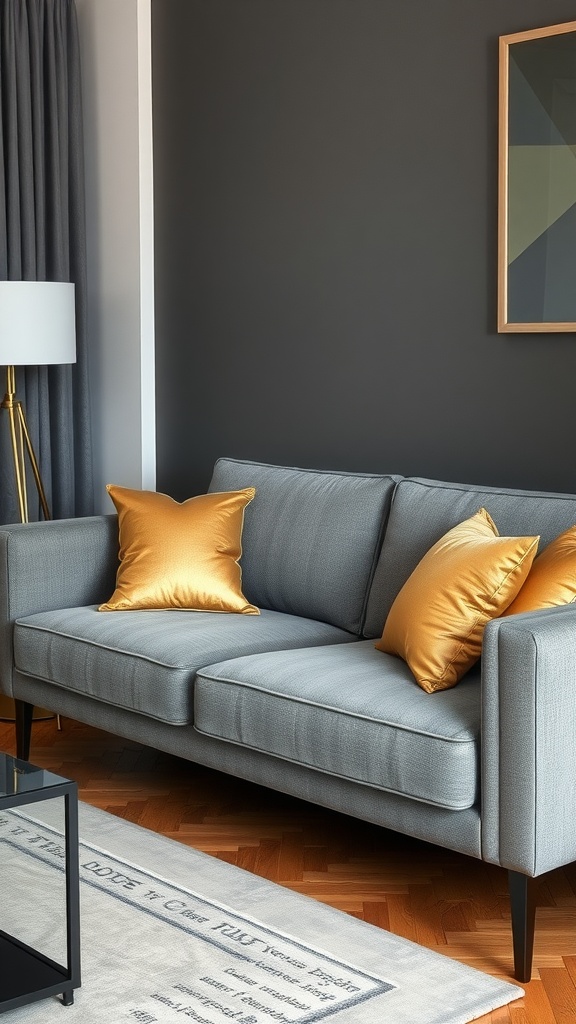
pixel 37 323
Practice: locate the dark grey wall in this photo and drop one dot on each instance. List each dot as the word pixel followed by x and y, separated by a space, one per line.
pixel 325 180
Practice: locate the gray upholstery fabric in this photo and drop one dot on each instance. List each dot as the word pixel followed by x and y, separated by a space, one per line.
pixel 456 831
pixel 423 510
pixel 310 539
pixel 529 740
pixel 146 661
pixel 350 711
pixel 51 565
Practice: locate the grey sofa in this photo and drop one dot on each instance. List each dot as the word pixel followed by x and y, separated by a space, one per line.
pixel 298 698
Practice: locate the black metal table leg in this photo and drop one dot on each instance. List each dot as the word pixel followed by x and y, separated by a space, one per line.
pixel 72 891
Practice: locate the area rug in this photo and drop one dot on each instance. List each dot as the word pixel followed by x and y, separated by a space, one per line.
pixel 172 935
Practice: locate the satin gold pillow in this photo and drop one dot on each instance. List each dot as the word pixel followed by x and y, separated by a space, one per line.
pixel 552 578
pixel 469 576
pixel 179 555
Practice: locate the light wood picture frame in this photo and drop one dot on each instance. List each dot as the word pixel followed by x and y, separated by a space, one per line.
pixel 537 180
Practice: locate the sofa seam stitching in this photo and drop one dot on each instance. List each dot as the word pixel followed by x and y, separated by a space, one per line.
pixel 110 704
pixel 101 646
pixel 203 674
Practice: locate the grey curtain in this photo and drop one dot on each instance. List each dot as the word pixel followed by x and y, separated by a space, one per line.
pixel 42 238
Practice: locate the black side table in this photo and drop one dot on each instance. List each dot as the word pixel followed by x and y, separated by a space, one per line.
pixel 26 974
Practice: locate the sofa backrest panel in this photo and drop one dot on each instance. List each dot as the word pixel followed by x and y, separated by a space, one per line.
pixel 423 510
pixel 311 539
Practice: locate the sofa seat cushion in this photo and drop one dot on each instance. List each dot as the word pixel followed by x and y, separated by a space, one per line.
pixel 350 711
pixel 146 661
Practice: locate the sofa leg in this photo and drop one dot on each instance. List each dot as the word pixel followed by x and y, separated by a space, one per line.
pixel 24 713
pixel 523 908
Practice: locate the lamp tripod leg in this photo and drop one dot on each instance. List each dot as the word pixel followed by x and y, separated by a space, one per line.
pixel 18 458
pixel 22 468
pixel 33 462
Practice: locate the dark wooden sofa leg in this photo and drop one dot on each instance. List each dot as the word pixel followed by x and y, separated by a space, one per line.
pixel 24 713
pixel 523 908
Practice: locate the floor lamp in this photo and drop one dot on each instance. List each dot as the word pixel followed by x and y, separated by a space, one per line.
pixel 37 328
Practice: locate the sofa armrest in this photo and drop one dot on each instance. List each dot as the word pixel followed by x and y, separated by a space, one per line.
pixel 529 740
pixel 60 564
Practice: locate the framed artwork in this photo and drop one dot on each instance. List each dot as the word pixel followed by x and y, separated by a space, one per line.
pixel 537 180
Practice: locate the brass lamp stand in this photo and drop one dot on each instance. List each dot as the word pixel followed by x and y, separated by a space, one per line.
pixel 21 443
pixel 37 327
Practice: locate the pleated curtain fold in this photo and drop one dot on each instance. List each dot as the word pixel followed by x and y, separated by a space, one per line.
pixel 43 238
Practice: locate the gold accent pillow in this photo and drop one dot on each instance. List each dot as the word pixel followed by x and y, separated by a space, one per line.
pixel 552 578
pixel 179 555
pixel 468 577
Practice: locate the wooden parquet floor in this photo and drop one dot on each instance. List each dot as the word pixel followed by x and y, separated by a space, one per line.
pixel 450 903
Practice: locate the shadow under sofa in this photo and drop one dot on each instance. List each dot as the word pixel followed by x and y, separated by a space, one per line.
pixel 298 698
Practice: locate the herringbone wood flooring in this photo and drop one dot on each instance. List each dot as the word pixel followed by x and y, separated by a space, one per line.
pixel 450 903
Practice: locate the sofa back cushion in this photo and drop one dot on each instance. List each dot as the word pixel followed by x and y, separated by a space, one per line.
pixel 311 538
pixel 424 510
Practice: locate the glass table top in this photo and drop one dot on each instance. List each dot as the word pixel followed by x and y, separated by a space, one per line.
pixel 21 777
